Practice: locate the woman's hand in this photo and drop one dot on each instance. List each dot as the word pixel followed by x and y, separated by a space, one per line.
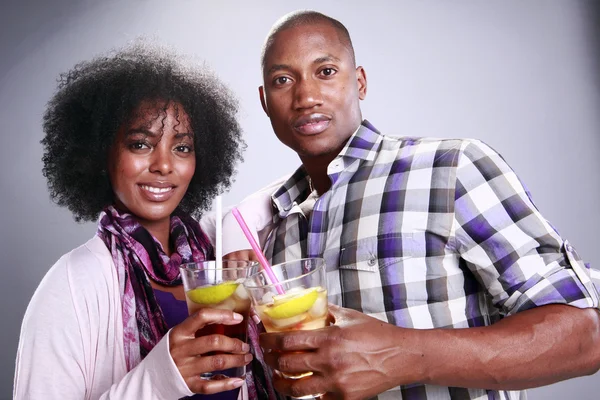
pixel 188 351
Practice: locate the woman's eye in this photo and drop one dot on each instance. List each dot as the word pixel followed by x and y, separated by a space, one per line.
pixel 184 149
pixel 138 146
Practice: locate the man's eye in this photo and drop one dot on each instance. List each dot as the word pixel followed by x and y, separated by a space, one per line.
pixel 282 80
pixel 328 71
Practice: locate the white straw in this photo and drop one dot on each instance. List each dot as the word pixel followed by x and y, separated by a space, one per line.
pixel 218 233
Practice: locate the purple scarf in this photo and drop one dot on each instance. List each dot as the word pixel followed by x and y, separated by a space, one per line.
pixel 137 257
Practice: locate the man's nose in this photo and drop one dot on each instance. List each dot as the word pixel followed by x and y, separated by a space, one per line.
pixel 307 94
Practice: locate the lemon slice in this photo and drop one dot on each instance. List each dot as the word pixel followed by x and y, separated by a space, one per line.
pixel 212 294
pixel 297 304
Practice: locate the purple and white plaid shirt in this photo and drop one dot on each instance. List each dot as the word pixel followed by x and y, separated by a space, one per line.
pixel 428 233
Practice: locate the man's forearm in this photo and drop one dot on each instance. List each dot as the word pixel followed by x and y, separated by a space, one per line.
pixel 533 348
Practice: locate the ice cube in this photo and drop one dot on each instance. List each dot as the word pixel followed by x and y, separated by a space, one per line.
pixel 319 308
pixel 267 298
pixel 313 324
pixel 241 293
pixel 288 322
pixel 227 304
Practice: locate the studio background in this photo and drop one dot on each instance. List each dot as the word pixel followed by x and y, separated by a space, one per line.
pixel 522 76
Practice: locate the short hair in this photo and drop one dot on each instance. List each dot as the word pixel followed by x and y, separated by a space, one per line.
pixel 96 97
pixel 305 17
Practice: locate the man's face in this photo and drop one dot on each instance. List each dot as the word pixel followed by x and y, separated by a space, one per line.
pixel 312 90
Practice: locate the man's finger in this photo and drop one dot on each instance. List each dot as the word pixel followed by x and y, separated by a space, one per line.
pixel 311 385
pixel 292 363
pixel 241 255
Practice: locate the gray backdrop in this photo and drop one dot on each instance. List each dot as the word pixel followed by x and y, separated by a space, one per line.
pixel 522 76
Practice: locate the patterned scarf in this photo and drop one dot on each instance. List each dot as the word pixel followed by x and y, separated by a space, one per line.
pixel 137 257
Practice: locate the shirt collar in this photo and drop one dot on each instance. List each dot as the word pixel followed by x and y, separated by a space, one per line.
pixel 362 145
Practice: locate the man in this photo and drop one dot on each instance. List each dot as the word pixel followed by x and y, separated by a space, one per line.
pixel 421 237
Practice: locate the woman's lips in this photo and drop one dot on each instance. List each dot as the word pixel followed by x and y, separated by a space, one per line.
pixel 157 194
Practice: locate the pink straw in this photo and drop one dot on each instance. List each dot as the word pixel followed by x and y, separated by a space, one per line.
pixel 261 257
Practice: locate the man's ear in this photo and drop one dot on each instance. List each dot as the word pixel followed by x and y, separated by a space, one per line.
pixel 361 78
pixel 263 102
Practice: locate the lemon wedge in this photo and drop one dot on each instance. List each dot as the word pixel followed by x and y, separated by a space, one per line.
pixel 290 305
pixel 212 294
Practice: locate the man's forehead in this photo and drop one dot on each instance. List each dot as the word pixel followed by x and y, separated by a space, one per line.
pixel 323 37
pixel 307 29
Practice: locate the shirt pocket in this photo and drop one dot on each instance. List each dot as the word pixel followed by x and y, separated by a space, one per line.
pixel 368 265
pixel 376 253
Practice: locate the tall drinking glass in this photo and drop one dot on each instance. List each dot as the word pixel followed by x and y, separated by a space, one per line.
pixel 208 286
pixel 298 301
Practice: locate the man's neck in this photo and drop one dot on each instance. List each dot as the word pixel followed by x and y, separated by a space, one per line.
pixel 316 167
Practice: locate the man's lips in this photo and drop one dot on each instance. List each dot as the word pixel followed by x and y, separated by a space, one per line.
pixel 311 124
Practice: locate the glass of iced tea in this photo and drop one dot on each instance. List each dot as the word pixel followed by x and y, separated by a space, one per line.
pixel 207 285
pixel 297 302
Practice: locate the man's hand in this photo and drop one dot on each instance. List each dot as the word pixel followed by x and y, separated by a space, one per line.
pixel 358 356
pixel 351 359
pixel 247 254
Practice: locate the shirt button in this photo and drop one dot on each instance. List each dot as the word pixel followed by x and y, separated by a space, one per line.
pixel 569 248
pixel 371 261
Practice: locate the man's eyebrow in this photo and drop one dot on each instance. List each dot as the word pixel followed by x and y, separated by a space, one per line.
pixel 319 60
pixel 277 67
pixel 326 58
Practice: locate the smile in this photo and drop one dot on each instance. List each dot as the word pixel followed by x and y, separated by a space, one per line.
pixel 156 190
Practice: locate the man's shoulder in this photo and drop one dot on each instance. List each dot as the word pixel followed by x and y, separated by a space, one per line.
pixel 413 145
pixel 429 141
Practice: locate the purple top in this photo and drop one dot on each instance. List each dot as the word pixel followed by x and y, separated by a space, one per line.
pixel 175 311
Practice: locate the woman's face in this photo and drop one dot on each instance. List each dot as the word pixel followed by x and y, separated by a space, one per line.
pixel 152 161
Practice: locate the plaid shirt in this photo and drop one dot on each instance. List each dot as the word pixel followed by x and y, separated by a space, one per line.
pixel 428 233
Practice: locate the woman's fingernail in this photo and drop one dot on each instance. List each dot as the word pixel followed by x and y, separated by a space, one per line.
pixel 245 347
pixel 237 317
pixel 248 357
pixel 237 383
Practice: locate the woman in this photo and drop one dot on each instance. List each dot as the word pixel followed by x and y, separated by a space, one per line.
pixel 142 140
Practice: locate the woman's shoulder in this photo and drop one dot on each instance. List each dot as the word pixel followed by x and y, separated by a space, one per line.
pixel 83 271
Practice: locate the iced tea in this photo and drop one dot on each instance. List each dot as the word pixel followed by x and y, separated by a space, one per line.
pixel 296 301
pixel 225 296
pixel 207 285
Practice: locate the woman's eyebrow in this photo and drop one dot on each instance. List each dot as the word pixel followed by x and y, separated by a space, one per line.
pixel 181 135
pixel 135 131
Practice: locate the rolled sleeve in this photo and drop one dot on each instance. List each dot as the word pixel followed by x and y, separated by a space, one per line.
pixel 511 249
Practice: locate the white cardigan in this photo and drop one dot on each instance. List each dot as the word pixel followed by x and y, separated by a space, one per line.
pixel 71 343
